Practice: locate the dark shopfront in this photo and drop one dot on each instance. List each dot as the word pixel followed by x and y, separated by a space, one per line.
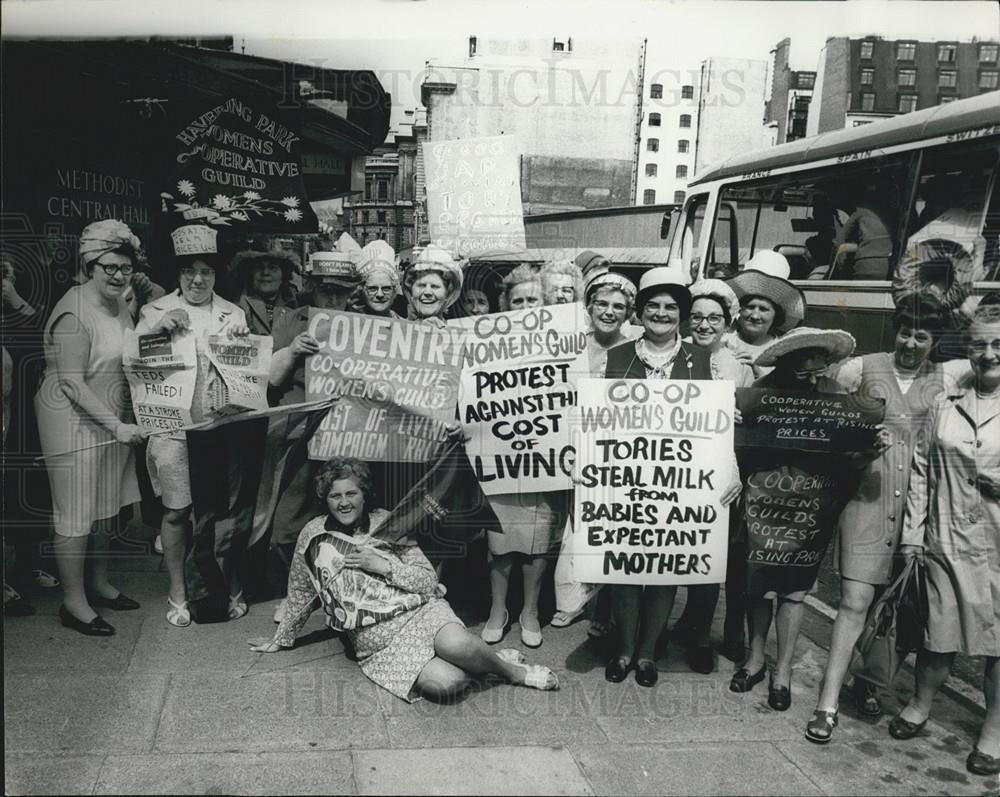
pixel 99 129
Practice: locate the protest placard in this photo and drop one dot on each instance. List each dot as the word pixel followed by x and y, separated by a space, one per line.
pixel 243 364
pixel 516 388
pixel 161 373
pixel 654 459
pixel 807 421
pixel 397 381
pixel 474 194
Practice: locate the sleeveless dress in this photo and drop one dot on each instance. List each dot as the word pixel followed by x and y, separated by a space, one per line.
pixel 86 485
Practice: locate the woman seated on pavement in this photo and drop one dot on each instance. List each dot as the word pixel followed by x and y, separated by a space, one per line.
pixel 952 523
pixel 382 591
pixel 662 304
pixel 800 360
pixel 714 308
pixel 869 527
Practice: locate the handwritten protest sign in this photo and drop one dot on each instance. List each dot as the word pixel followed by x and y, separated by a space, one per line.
pixel 516 388
pixel 397 381
pixel 243 364
pixel 807 421
pixel 474 194
pixel 161 374
pixel 654 459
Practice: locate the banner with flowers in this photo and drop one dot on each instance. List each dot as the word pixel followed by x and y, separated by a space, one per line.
pixel 238 164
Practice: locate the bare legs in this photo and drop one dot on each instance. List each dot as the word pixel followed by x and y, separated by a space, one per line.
pixel 173 532
pixel 855 600
pixel 641 615
pixel 459 655
pixel 500 567
pixel 72 554
pixel 532 570
pixel 788 622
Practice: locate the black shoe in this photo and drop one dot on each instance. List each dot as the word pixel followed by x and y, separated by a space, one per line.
pixel 96 627
pixel 120 603
pixel 866 698
pixel 700 659
pixel 778 697
pixel 743 681
pixel 617 669
pixel 978 763
pixel 734 650
pixel 904 729
pixel 645 673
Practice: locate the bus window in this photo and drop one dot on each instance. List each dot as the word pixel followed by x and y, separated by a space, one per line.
pixel 948 234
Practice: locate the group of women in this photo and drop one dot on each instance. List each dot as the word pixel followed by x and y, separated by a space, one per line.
pixel 931 479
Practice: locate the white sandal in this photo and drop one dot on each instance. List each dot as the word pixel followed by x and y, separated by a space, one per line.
pixel 537 676
pixel 237 606
pixel 178 614
pixel 563 619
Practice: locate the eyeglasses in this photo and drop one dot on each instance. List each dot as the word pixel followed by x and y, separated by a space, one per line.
pixel 375 290
pixel 980 346
pixel 113 268
pixel 713 319
pixel 191 273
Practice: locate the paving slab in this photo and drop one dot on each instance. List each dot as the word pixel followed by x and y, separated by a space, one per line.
pixel 463 770
pixel 49 774
pixel 320 772
pixel 44 645
pixel 731 767
pixel 494 714
pixel 148 587
pixel 85 712
pixel 290 710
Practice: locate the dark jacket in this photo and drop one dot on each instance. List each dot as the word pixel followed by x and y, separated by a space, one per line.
pixel 692 362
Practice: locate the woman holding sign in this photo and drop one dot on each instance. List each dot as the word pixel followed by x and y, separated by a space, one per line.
pixel 953 523
pixel 870 525
pixel 188 316
pixel 84 423
pixel 791 505
pixel 432 284
pixel 662 303
pixel 383 593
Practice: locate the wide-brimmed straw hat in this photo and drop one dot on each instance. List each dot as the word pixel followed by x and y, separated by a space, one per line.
pixel 266 250
pixel 836 342
pixel 780 292
pixel 664 279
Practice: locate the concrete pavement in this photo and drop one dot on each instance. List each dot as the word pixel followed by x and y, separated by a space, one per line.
pixel 158 710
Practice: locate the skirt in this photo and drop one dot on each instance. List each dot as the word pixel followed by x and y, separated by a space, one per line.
pixel 392 654
pixel 532 523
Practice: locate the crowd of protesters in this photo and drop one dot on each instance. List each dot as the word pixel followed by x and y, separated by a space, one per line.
pixel 928 488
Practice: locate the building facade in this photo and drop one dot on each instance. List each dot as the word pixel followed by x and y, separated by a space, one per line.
pixel 788 96
pixel 862 80
pixel 730 109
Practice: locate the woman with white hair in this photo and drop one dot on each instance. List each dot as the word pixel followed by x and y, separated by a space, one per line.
pixel 84 422
pixel 376 264
pixel 562 282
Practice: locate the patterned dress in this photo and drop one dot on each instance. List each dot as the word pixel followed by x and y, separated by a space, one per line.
pixel 391 653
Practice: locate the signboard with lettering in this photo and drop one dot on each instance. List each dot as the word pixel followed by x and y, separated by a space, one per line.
pixel 396 380
pixel 807 421
pixel 654 458
pixel 517 387
pixel 242 162
pixel 161 374
pixel 243 363
pixel 474 194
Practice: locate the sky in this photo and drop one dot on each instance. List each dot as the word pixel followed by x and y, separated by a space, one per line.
pixel 394 38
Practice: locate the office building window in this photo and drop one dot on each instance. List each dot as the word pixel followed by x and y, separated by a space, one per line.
pixel 907 103
pixel 653 145
pixel 687 92
pixel 683 145
pixel 383 190
pixel 685 120
pixel 947 79
pixel 988 79
pixel 654 120
pixel 866 49
pixel 867 77
pixel 867 101
pixel 656 91
pixel 681 171
pixel 807 80
pixel 649 197
pixel 946 53
pixel 678 197
pixel 988 53
pixel 472 45
pixel 905 51
pixel 380 216
pixel 906 77
pixel 651 170
pixel 558 47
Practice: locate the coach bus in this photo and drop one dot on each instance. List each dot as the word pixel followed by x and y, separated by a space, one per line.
pixel 930 175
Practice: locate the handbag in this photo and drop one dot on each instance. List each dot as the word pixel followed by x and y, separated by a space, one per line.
pixel 895 626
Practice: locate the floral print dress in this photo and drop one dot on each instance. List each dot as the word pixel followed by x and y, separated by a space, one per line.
pixel 393 652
